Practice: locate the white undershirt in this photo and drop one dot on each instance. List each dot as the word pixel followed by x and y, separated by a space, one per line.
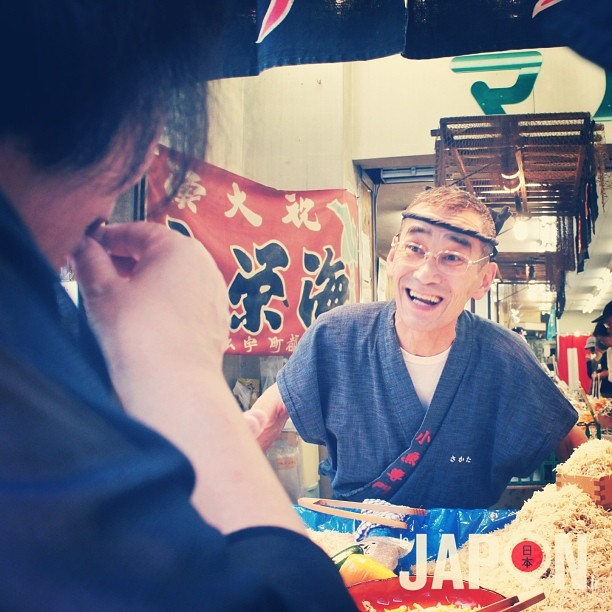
pixel 425 373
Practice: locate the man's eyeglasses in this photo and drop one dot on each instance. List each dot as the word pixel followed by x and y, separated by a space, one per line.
pixel 451 263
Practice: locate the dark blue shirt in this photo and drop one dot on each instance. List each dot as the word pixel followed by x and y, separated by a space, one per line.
pixel 495 412
pixel 95 509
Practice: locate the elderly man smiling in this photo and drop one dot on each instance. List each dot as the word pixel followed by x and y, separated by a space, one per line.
pixel 417 400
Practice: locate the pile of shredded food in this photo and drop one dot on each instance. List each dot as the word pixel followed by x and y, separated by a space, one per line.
pixel 606 408
pixel 332 542
pixel 592 459
pixel 550 512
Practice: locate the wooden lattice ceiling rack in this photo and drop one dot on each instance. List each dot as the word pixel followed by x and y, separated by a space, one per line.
pixel 529 267
pixel 536 164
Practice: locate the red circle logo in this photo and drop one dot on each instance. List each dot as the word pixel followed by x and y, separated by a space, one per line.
pixel 527 556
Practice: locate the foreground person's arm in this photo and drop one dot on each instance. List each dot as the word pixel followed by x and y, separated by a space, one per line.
pixel 163 329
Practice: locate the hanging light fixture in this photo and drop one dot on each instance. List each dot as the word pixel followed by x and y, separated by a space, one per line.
pixel 520 229
pixel 530 273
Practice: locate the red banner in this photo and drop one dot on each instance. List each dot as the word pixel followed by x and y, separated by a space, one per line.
pixel 569 342
pixel 286 256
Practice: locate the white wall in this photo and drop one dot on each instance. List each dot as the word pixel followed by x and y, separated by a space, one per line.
pixel 300 127
pixel 576 323
pixel 397 102
pixel 288 128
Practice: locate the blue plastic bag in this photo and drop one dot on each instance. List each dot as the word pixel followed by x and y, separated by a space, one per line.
pixel 438 521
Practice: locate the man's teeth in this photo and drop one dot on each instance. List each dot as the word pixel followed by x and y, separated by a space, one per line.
pixel 432 300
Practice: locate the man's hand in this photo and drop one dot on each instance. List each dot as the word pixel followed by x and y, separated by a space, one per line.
pixel 267 417
pixel 574 438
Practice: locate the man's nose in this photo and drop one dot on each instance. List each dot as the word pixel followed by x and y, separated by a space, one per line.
pixel 428 269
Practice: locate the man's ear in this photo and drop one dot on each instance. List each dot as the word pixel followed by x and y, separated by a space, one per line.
pixel 487 276
pixel 389 266
pixel 391 255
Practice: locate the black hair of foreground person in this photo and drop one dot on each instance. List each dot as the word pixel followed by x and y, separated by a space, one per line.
pixel 79 74
pixel 128 478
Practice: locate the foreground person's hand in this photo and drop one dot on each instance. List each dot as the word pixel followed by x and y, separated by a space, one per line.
pixel 162 323
pixel 153 297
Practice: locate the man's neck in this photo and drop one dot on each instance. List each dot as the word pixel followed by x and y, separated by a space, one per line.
pixel 425 343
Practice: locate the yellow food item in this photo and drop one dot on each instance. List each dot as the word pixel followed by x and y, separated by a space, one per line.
pixel 359 568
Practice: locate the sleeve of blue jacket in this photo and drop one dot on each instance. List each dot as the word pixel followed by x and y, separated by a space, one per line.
pixel 95 515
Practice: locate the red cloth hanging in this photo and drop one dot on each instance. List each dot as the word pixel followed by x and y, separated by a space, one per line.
pixel 577 342
pixel 286 256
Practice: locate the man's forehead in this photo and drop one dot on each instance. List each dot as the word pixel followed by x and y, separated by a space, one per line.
pixel 466 220
pixel 468 223
pixel 420 226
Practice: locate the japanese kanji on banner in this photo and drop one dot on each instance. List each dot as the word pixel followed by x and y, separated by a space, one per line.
pixel 286 256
